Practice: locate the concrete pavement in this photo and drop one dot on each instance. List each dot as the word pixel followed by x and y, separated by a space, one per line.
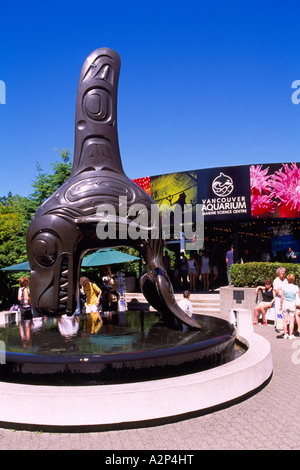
pixel 268 420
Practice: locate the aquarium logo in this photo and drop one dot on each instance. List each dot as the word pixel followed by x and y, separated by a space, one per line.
pixel 222 185
pixel 2 353
pixel 2 92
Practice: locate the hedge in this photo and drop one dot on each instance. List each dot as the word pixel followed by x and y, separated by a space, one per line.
pixel 255 274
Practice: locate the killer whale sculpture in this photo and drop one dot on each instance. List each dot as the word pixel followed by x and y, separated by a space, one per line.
pixel 64 227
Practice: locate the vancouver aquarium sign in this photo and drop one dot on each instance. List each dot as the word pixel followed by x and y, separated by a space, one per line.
pixel 232 192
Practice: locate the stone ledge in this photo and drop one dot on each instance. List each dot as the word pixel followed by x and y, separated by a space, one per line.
pixel 61 408
pixel 236 298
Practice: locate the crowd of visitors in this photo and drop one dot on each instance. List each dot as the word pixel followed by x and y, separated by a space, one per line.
pixel 284 295
pixel 199 272
pixel 195 272
pixel 92 301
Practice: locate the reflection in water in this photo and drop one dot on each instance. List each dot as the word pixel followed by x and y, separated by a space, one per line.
pixel 24 328
pixel 68 326
pixel 120 347
pixel 92 333
pixel 93 323
pixel 114 332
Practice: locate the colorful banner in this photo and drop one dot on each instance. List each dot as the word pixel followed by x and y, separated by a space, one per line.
pixel 232 193
pixel 275 190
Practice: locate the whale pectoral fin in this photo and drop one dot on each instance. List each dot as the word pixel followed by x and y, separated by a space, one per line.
pixel 149 290
pixel 157 289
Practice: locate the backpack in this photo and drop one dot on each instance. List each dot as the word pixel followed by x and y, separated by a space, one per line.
pixel 23 301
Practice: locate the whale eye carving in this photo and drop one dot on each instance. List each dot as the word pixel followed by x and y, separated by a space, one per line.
pixel 45 248
pixel 97 105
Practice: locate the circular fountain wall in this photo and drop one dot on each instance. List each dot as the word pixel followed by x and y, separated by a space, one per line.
pixel 128 347
pixel 27 402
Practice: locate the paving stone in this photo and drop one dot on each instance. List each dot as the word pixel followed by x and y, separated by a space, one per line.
pixel 269 420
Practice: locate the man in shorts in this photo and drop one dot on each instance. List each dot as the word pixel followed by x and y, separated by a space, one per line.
pixel 93 294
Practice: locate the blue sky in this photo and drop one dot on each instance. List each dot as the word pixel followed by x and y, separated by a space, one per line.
pixel 202 84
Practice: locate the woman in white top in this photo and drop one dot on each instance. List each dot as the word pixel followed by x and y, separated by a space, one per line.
pixel 278 284
pixel 193 271
pixel 24 299
pixel 205 270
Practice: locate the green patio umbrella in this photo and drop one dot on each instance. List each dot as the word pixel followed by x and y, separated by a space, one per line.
pixel 105 257
pixel 98 258
pixel 18 267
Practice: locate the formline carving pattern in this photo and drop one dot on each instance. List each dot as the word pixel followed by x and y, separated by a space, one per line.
pixel 63 229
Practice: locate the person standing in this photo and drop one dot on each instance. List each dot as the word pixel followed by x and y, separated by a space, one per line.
pixel 291 256
pixel 297 314
pixel 229 263
pixel 288 305
pixel 26 313
pixel 92 302
pixel 183 269
pixel 278 283
pixel 205 270
pixel 24 299
pixel 193 271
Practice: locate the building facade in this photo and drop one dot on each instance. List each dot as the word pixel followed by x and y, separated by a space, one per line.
pixel 254 207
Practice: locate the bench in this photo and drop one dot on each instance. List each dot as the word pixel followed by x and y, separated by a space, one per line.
pixel 10 316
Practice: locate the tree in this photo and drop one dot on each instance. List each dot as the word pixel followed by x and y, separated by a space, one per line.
pixel 45 183
pixel 15 215
pixel 14 219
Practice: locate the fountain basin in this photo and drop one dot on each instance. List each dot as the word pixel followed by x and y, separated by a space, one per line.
pixel 128 347
pixel 142 403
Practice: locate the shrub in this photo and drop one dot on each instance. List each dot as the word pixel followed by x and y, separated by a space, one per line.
pixel 254 274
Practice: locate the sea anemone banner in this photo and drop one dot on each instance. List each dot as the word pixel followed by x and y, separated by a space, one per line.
pixel 275 190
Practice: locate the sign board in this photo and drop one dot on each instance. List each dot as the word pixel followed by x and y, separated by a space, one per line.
pixel 233 192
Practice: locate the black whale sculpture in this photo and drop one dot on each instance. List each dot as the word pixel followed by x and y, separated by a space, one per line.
pixel 64 227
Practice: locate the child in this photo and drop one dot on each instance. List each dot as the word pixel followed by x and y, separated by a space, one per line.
pixel 185 304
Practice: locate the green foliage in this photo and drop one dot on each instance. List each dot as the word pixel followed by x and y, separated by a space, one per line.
pixel 15 215
pixel 46 184
pixel 12 244
pixel 254 274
